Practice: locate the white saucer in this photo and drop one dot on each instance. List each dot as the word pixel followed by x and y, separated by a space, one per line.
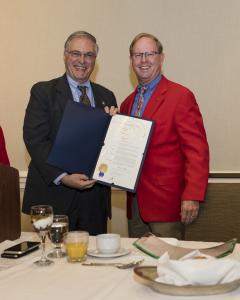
pixel 96 253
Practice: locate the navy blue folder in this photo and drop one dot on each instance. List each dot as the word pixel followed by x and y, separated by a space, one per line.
pixel 79 139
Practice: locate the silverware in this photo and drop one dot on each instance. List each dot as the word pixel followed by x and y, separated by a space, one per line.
pixel 117 265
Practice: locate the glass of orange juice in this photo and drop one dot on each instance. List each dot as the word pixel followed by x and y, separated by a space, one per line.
pixel 76 244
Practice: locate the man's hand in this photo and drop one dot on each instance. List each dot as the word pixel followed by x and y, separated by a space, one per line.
pixel 189 211
pixel 78 181
pixel 111 111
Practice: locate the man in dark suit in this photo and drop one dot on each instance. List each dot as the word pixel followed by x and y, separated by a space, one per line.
pixel 87 204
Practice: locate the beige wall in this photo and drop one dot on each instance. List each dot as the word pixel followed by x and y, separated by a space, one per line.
pixel 200 38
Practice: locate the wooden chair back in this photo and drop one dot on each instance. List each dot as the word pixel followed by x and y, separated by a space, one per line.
pixel 10 216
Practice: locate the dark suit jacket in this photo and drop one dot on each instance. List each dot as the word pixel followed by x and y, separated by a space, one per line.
pixel 177 162
pixel 42 119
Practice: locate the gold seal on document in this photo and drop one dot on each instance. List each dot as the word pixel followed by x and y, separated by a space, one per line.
pixel 103 169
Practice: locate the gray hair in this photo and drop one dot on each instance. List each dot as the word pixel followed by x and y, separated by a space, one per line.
pixel 81 34
pixel 147 35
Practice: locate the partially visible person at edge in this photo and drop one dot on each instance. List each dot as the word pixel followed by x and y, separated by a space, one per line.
pixel 87 203
pixel 175 172
pixel 3 151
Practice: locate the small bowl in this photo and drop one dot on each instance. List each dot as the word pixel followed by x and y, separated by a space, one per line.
pixel 108 243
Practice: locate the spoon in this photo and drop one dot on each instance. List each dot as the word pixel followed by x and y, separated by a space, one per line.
pixel 117 265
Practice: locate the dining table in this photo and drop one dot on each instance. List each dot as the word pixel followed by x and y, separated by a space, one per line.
pixel 21 279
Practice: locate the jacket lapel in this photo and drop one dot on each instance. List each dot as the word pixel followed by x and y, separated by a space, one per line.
pixel 156 99
pixel 130 102
pixel 99 101
pixel 63 92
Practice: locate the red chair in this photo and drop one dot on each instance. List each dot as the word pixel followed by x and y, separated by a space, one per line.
pixel 3 152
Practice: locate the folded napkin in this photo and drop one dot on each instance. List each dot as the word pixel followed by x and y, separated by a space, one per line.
pixel 156 247
pixel 197 268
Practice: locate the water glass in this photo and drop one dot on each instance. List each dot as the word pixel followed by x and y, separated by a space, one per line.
pixel 56 234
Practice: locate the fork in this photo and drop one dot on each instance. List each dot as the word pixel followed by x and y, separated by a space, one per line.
pixel 117 265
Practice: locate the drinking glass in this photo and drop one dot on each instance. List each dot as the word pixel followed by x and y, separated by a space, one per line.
pixel 42 218
pixel 56 234
pixel 76 243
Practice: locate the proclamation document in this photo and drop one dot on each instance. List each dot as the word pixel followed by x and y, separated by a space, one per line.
pixel 122 155
pixel 110 149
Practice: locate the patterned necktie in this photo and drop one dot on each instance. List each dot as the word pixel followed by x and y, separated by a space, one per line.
pixel 84 97
pixel 138 112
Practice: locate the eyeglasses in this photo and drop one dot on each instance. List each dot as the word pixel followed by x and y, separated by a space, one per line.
pixel 78 54
pixel 139 55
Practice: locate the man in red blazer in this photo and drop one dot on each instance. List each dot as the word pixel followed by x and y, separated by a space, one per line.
pixel 3 152
pixel 175 172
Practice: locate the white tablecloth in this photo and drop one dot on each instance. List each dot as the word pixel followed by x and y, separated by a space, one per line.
pixel 20 279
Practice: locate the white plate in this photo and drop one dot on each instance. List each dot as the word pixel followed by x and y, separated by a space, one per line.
pixel 96 253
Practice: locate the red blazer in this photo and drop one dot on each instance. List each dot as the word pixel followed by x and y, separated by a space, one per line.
pixel 176 166
pixel 3 152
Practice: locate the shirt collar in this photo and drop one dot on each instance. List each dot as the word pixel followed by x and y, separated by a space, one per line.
pixel 74 84
pixel 151 86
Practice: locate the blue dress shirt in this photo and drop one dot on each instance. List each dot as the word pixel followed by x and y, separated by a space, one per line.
pixel 148 93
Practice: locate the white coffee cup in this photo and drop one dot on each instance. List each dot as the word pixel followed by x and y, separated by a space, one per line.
pixel 108 243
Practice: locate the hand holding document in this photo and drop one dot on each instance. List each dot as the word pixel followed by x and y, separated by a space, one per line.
pixel 110 149
pixel 77 181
